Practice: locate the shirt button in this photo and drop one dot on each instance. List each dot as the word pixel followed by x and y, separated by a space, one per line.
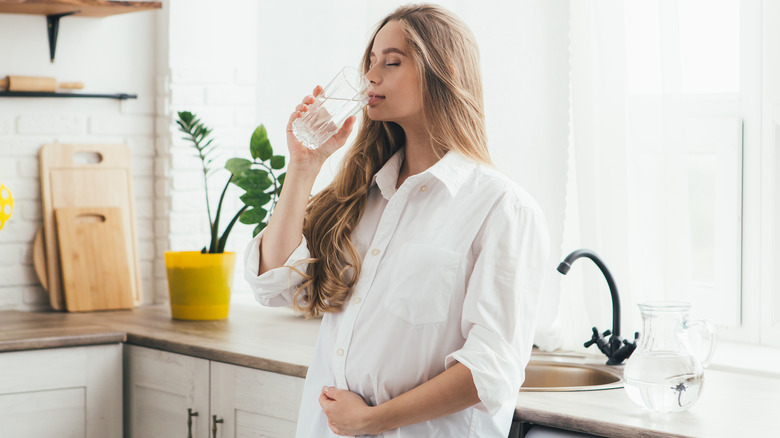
pixel 356 300
pixel 375 252
pixel 423 188
pixel 340 352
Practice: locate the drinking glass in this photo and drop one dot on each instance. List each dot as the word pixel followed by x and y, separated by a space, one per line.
pixel 344 96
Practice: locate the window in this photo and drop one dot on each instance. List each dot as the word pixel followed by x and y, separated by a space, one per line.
pixel 684 135
pixel 677 128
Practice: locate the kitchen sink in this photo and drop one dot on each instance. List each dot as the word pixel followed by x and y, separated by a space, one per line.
pixel 558 375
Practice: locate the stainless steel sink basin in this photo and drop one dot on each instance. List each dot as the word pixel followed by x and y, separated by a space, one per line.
pixel 547 375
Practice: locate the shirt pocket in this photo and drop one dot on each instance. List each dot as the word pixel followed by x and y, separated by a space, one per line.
pixel 422 279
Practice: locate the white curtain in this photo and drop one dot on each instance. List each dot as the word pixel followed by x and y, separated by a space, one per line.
pixel 596 201
pixel 654 177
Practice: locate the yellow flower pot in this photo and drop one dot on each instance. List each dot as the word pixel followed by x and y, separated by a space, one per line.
pixel 199 284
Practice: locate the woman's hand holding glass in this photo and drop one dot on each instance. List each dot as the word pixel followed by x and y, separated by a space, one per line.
pixel 283 233
pixel 307 159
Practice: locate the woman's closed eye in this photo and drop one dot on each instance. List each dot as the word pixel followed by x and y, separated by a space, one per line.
pixel 388 64
pixel 390 61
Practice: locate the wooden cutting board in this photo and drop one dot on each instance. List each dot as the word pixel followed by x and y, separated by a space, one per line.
pixel 95 269
pixel 39 259
pixel 79 175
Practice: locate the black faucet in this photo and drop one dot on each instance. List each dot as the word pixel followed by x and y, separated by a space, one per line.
pixel 616 349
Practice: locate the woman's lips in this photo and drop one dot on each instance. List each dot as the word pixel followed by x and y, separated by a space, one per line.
pixel 374 98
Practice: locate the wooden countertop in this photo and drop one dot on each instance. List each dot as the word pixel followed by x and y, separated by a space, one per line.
pixel 276 340
pixel 271 339
pixel 30 331
pixel 254 336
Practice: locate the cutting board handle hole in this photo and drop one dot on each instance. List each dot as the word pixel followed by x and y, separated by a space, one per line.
pixel 90 218
pixel 87 158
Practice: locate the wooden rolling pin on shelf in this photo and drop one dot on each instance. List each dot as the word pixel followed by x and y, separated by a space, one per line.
pixel 34 83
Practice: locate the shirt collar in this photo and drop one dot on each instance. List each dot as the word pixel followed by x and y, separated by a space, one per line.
pixel 387 177
pixel 452 170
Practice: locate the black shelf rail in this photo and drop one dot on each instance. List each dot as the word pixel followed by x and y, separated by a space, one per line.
pixel 119 96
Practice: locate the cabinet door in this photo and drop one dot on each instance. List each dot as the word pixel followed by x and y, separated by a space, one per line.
pixel 161 390
pixel 64 392
pixel 254 403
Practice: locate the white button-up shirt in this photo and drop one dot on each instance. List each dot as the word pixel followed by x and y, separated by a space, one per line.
pixel 452 268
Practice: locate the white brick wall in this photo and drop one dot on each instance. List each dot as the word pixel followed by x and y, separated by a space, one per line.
pixel 226 112
pixel 160 67
pixel 50 124
pixel 122 124
pixel 26 124
pixel 223 93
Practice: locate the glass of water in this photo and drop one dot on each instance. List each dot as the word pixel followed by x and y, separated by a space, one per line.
pixel 344 96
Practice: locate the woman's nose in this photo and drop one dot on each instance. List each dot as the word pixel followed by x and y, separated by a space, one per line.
pixel 372 76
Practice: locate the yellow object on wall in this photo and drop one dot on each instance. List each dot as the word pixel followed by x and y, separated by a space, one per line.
pixel 6 205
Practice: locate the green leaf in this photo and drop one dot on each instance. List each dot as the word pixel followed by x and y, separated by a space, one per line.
pixel 256 173
pixel 255 199
pixel 259 146
pixel 277 162
pixel 237 166
pixel 253 216
pixel 258 229
pixel 186 116
pixel 253 180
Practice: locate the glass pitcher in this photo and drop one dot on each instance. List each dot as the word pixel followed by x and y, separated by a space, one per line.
pixel 665 373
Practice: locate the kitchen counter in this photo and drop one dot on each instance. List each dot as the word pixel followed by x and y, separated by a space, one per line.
pixel 731 405
pixel 32 331
pixel 270 339
pixel 276 340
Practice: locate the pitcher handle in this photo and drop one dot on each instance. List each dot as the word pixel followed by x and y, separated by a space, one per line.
pixel 709 339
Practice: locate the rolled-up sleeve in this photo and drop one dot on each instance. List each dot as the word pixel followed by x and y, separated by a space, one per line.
pixel 275 287
pixel 499 311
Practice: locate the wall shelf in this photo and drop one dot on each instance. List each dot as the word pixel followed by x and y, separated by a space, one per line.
pixel 56 9
pixel 119 96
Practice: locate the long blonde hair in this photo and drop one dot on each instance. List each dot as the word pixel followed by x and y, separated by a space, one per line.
pixel 447 59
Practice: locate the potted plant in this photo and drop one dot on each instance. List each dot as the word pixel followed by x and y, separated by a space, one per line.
pixel 199 282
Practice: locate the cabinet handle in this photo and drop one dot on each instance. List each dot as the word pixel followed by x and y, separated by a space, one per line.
pixel 214 427
pixel 190 414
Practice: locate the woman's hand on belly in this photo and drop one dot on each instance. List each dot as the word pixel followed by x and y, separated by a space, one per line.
pixel 451 391
pixel 347 412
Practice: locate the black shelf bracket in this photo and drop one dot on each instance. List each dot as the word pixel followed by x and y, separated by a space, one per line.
pixel 53 27
pixel 119 96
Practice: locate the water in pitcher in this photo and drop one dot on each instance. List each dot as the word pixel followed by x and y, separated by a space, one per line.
pixel 664 381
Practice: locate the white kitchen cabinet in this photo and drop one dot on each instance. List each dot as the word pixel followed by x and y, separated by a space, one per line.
pixel 164 391
pixel 255 403
pixel 63 392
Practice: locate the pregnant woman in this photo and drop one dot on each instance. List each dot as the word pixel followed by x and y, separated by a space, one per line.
pixel 424 261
